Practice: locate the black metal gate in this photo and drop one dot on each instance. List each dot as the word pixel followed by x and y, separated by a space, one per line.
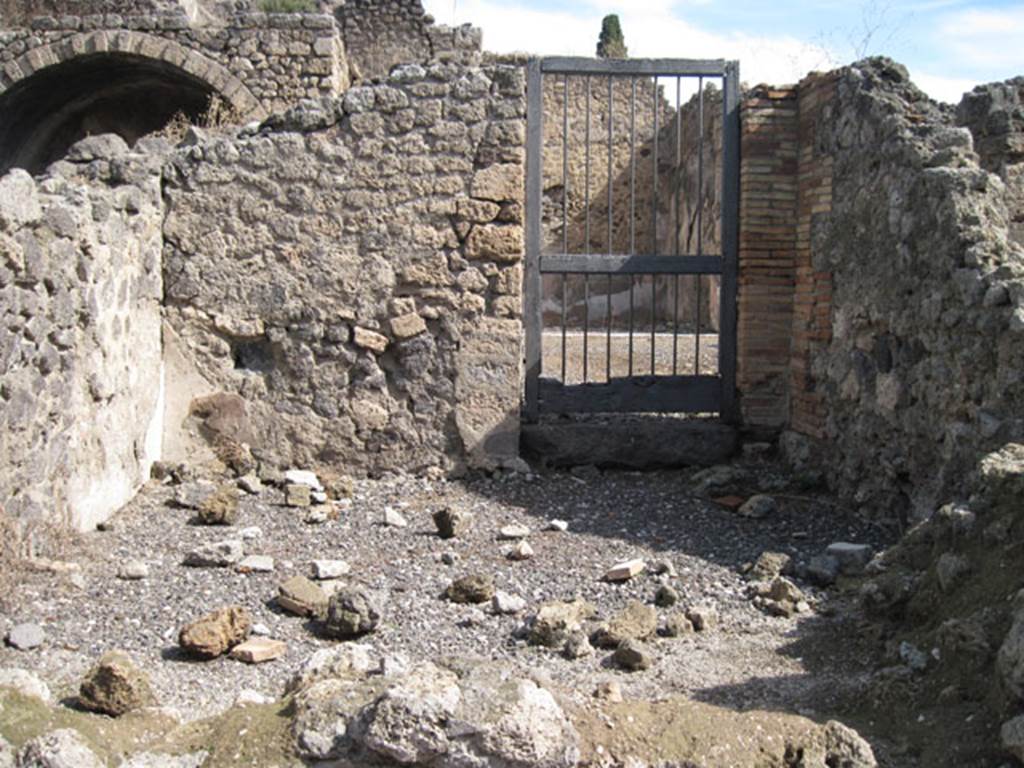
pixel 652 233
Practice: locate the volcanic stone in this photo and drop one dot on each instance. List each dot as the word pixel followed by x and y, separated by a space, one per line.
pixel 115 686
pixel 217 632
pixel 452 523
pixel 474 588
pixel 302 597
pixel 352 612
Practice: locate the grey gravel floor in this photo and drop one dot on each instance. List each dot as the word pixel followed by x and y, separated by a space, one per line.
pixel 750 660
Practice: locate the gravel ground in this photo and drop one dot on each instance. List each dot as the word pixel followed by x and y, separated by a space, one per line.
pixel 749 661
pixel 667 361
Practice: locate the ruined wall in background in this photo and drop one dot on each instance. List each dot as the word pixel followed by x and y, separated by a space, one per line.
pixel 261 63
pixel 995 116
pixel 923 365
pixel 379 35
pixel 354 274
pixel 80 292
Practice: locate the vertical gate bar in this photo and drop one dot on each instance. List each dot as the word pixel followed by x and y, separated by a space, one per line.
pixel 700 215
pixel 565 318
pixel 565 166
pixel 534 193
pixel 631 283
pixel 586 205
pixel 608 345
pixel 611 248
pixel 586 325
pixel 654 318
pixel 632 168
pixel 730 239
pixel 654 176
pixel 678 223
pixel 611 244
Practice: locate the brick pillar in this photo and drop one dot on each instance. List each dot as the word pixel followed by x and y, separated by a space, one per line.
pixel 812 303
pixel 768 235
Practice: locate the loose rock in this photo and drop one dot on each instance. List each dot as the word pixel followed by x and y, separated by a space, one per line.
pixel 302 597
pixel 632 656
pixel 558 526
pixel 257 650
pixel 703 618
pixel 25 637
pixel 634 622
pixel 216 633
pixel 577 646
pixel 853 558
pixel 757 507
pixel 220 507
pixel 25 683
pixel 391 518
pixel 297 495
pixel 115 686
pixel 513 532
pixel 666 596
pixel 133 570
pixel 554 622
pixel 521 551
pixel 256 564
pixel 325 570
pixel 505 604
pixel 452 523
pixel 474 588
pixel 219 554
pixel 625 570
pixel 677 625
pixel 352 612
pixel 63 748
pixel 823 570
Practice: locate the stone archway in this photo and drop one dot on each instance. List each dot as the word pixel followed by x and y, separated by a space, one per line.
pixel 128 83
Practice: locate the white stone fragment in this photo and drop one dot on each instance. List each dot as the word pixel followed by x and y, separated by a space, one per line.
pixel 303 477
pixel 625 570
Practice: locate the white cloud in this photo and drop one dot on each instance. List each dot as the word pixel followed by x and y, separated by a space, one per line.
pixel 985 39
pixel 650 28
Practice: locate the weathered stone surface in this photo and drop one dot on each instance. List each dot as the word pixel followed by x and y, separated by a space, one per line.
pixel 104 146
pixel 371 340
pixel 666 596
pixel 625 570
pixel 554 622
pixel 408 723
pixel 951 569
pixel 769 565
pixel 472 588
pixel 392 518
pixel 513 532
pixel 25 637
pixel 703 618
pixel 352 612
pixel 25 683
pixel 133 570
pixel 452 523
pixel 495 242
pixel 852 557
pixel 408 326
pixel 632 656
pixel 115 686
pixel 216 633
pixel 823 570
pixel 255 564
pixel 349 660
pixel 221 507
pixel 297 495
pixel 219 554
pixel 499 183
pixel 258 650
pixel 63 748
pixel 504 604
pixel 757 507
pixel 521 551
pixel 330 569
pixel 677 624
pixel 302 597
pixel 19 200
pixel 634 622
pixel 1011 736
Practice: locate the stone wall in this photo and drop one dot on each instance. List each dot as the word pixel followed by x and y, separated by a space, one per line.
pixel 915 290
pixel 259 63
pixel 354 274
pixel 995 116
pixel 80 292
pixel 382 33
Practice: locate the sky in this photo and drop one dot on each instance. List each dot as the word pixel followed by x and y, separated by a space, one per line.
pixel 949 46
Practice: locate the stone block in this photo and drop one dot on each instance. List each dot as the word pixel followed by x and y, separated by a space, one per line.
pixel 499 182
pixel 371 340
pixel 407 326
pixel 257 650
pixel 492 242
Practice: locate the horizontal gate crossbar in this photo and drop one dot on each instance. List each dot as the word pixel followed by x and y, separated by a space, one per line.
pixel 578 264
pixel 639 394
pixel 572 65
